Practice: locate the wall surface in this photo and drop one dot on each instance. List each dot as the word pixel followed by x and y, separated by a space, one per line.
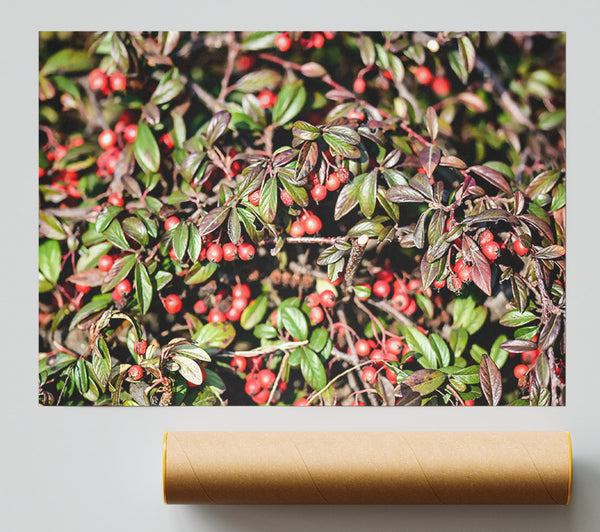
pixel 100 469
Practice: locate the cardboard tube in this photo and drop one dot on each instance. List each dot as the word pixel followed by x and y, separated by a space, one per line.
pixel 367 468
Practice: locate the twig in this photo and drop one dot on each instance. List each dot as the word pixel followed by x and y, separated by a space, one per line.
pixel 278 378
pixel 356 254
pixel 336 378
pixel 264 349
pixel 207 99
pixel 231 55
pixel 386 307
pixel 553 377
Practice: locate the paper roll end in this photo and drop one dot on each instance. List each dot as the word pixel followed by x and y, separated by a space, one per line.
pixel 570 467
pixel 164 467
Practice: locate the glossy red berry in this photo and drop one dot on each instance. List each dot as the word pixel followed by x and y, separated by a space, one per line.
pixel 238 364
pixel 319 192
pixel 485 237
pixel 123 289
pixel 167 141
pixel 254 198
pixel 140 347
pixel 246 251
pixel 332 182
pixel 116 199
pixel 491 250
pixel 359 85
pixel 312 300
pixel 377 356
pixel 215 315
pixel 230 252
pixel 266 99
pixel 469 402
pixel 362 348
pixel 301 401
pixel 107 139
pixel 393 346
pixel 233 314
pixel 530 357
pixel 105 263
pixel 423 75
pixel 283 42
pixel 171 222
pixel 369 374
pixel 520 370
pixel 313 225
pixel 98 80
pixel 135 373
pixel 173 304
pixel 316 315
pixel 239 303
pixel 200 307
pixel 355 114
pixel 266 378
pixel 327 298
pixel 441 86
pixel 381 289
pixel 439 284
pixel 130 133
pixel 520 248
pixel 118 82
pixel 286 199
pixel 318 40
pixel 252 386
pixel 241 291
pixel 297 229
pixel 343 175
pixel 214 253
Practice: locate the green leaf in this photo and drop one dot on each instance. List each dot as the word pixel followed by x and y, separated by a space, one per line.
pixel 477 353
pixel 215 334
pixel 458 341
pixel 477 319
pixel 55 363
pixel 312 369
pixel 425 381
pixel 50 227
pixel 318 339
pixel 441 349
pixel 115 235
pixel 290 100
pixel 189 369
pixel 348 197
pixel 259 40
pixel 166 90
pixel 267 207
pixel 143 287
pixel 419 343
pixel 368 194
pixel 217 126
pixel 195 243
pixel 50 264
pixel 254 312
pixel 67 60
pixel 468 375
pixel 120 269
pixel 200 272
pixel 101 362
pixel 136 229
pixel 514 318
pixel 213 220
pixel 549 120
pixel 340 147
pixel 295 322
pixel 80 376
pixel 98 303
pixel 180 240
pixel 298 194
pixel 497 354
pixel 305 131
pixel 146 149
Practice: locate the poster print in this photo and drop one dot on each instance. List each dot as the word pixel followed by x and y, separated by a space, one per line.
pixel 288 218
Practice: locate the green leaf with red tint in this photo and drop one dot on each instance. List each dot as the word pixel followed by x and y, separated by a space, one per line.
pixel 305 131
pixel 290 101
pixel 368 194
pixel 491 380
pixel 146 149
pixel 213 220
pixel 119 271
pixel 143 287
pixel 217 126
pixel 97 304
pixel 481 273
pixel 424 381
pixel 348 197
pixel 101 362
pixel 492 176
pixel 550 332
pixel 267 206
pixel 550 252
pixel 115 235
pixel 404 194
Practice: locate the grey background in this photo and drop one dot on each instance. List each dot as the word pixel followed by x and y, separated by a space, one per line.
pixel 100 469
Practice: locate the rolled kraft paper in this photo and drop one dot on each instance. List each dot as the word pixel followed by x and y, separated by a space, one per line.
pixel 367 468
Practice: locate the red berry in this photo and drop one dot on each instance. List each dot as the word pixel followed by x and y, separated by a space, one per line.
pixel 412 307
pixel 116 199
pixel 105 263
pixel 266 99
pixel 355 114
pixel 246 251
pixel 423 75
pixel 286 199
pixel 313 225
pixel 171 222
pixel 230 252
pixel 239 303
pixel 173 255
pixel 362 348
pixel 123 288
pixel 214 253
pixel 98 80
pixel 530 357
pixel 332 182
pixel 369 374
pixel 327 298
pixel 520 370
pixel 439 284
pixel 329 35
pixel 252 386
pixel 401 301
pixel 216 315
pixel 283 42
pixel 135 373
pixel 485 237
pixel 254 198
pixel 107 139
pixel 359 85
pixel 301 401
pixel 519 248
pixel 60 152
pixel 118 82
pixel 200 307
pixel 491 250
pixel 343 175
pixel 312 300
pixel 319 192
pixel 393 346
pixel 469 402
pixel 240 291
pixel 116 296
pixel 173 304
pixel 266 378
pixel 457 282
pixel 233 314
pixel 316 315
pixel 297 229
pixel 441 86
pixel 377 356
pixel 140 347
pixel 130 133
pixel 381 289
pixel 167 141
pixel 385 275
pixel 82 289
pixel 238 364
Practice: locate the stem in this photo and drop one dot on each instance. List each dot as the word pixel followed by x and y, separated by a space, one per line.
pixel 356 254
pixel 207 99
pixel 386 307
pixel 338 377
pixel 278 378
pixel 553 377
pixel 231 55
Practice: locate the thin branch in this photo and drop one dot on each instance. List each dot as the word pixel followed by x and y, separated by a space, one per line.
pixel 356 254
pixel 387 307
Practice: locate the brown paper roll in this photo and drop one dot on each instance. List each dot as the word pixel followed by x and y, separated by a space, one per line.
pixel 367 468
